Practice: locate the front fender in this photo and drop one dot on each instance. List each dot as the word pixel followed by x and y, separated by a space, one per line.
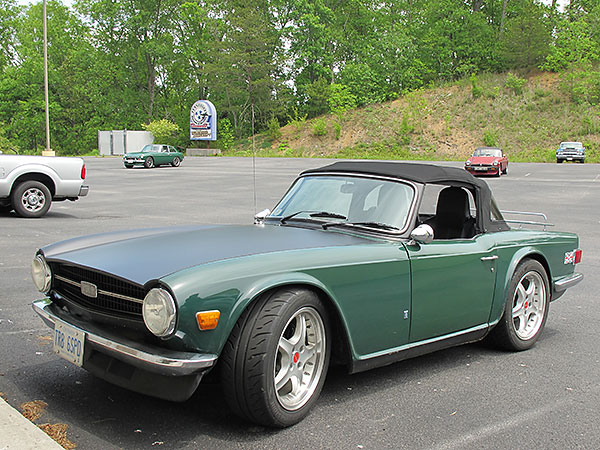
pixel 232 299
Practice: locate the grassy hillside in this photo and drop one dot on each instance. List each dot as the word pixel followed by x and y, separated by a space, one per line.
pixel 447 123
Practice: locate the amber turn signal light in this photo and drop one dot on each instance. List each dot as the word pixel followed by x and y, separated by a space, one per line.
pixel 208 320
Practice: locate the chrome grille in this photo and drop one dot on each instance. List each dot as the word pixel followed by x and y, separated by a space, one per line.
pixel 114 295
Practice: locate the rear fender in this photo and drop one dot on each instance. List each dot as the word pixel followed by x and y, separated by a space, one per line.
pixel 503 285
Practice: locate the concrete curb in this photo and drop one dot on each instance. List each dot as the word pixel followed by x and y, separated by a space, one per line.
pixel 18 433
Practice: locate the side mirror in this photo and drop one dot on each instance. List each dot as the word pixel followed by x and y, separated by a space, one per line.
pixel 423 234
pixel 260 216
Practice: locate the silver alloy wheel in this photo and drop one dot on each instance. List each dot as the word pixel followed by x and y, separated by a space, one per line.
pixel 300 358
pixel 529 305
pixel 176 162
pixel 33 199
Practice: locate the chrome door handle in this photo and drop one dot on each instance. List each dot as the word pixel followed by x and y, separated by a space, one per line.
pixel 489 258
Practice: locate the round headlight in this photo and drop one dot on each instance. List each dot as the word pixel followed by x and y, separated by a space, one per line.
pixel 41 274
pixel 159 312
pixel 495 163
pixel 467 163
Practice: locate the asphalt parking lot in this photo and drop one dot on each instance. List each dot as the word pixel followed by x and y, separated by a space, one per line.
pixel 469 397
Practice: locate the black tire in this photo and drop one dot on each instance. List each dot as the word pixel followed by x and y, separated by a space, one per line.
pixel 149 162
pixel 176 161
pixel 129 166
pixel 253 358
pixel 499 172
pixel 505 171
pixel 529 275
pixel 31 199
pixel 559 161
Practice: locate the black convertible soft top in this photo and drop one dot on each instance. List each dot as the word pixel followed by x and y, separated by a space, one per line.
pixel 425 174
pixel 420 173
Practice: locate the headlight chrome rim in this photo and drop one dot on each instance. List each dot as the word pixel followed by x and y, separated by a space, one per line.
pixel 41 274
pixel 159 312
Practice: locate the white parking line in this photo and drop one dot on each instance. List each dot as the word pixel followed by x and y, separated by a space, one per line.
pixel 527 174
pixel 597 176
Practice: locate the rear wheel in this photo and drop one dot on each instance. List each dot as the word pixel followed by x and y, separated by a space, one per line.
pixel 526 308
pixel 176 161
pixel 275 360
pixel 31 199
pixel 149 163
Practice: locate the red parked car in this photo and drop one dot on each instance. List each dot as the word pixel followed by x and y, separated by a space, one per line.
pixel 487 161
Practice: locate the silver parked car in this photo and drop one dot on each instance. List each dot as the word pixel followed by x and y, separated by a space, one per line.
pixel 29 184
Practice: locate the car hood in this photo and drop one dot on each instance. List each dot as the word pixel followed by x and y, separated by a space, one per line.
pixel 144 255
pixel 483 159
pixel 135 154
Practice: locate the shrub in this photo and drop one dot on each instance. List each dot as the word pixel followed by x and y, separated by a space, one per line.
pixel 274 129
pixel 338 130
pixel 476 91
pixel 225 134
pixel 515 83
pixel 164 131
pixel 490 138
pixel 319 127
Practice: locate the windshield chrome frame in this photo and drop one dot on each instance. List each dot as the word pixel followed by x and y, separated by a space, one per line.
pixel 389 233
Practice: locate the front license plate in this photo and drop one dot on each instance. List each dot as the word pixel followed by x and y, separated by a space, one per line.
pixel 481 169
pixel 68 342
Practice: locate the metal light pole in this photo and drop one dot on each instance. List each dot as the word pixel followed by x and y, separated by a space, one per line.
pixel 48 151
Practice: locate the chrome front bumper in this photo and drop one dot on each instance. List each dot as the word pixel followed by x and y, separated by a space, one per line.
pixel 152 359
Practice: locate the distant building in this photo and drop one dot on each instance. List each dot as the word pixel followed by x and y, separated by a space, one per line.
pixel 119 142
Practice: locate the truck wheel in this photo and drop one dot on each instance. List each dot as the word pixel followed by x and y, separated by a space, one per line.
pixel 31 199
pixel 274 363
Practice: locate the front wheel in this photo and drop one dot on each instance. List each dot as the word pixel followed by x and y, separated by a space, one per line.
pixel 31 199
pixel 149 163
pixel 176 161
pixel 505 171
pixel 276 358
pixel 526 308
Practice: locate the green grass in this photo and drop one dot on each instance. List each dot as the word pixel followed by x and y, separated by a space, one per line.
pixel 446 122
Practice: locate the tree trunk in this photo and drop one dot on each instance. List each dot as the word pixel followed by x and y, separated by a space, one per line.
pixel 504 2
pixel 151 85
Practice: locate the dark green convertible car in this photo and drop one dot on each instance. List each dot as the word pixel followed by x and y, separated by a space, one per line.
pixel 153 155
pixel 360 264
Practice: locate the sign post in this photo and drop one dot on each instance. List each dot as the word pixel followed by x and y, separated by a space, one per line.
pixel 203 121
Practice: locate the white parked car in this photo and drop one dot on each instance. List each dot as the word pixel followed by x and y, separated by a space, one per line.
pixel 29 184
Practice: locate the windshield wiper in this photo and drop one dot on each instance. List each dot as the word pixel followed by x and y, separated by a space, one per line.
pixel 326 214
pixel 381 226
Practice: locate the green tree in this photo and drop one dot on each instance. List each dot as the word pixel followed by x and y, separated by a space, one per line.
pixel 526 41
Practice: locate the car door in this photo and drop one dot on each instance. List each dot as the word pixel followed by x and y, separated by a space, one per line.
pixel 453 283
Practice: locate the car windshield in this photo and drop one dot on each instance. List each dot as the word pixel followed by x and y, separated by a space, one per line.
pixel 577 145
pixel 150 148
pixel 347 200
pixel 488 152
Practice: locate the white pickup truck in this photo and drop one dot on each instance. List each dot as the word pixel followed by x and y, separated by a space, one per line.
pixel 29 184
